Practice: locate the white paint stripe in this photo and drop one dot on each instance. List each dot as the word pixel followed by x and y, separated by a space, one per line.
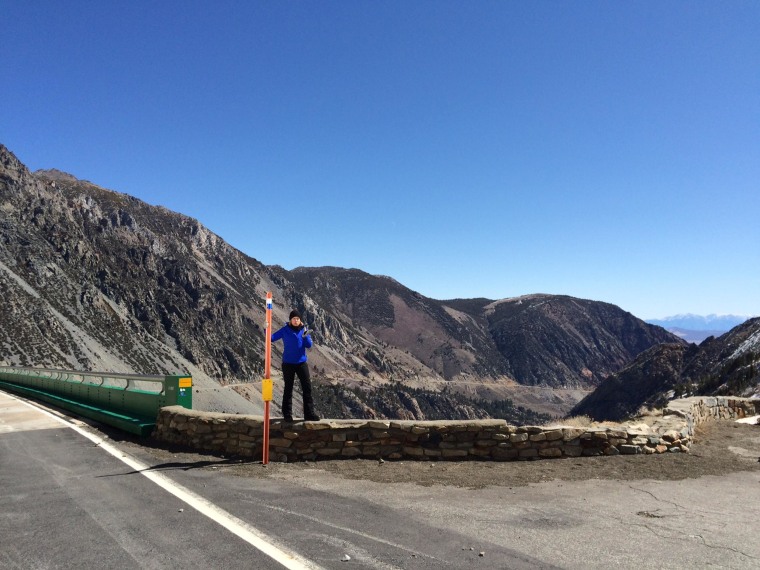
pixel 235 525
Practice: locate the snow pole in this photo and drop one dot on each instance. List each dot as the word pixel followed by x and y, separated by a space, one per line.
pixel 266 383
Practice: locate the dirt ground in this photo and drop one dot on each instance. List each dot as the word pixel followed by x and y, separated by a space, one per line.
pixel 719 447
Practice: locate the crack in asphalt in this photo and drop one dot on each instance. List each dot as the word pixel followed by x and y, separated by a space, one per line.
pixel 677 535
pixel 355 532
pixel 720 547
pixel 656 498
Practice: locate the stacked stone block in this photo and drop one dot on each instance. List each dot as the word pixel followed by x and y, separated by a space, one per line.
pixel 491 440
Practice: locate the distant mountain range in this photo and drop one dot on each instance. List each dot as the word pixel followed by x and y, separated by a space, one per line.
pixel 700 322
pixel 93 279
pixel 696 328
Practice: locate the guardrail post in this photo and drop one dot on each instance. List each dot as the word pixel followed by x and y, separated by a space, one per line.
pixel 179 391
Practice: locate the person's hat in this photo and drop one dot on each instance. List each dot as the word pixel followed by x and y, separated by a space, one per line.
pixel 294 313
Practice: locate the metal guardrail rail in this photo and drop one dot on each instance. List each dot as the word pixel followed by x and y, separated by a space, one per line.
pixel 127 401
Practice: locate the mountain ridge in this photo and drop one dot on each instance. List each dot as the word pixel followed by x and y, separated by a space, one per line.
pixel 697 328
pixel 99 279
pixel 726 365
pixel 690 321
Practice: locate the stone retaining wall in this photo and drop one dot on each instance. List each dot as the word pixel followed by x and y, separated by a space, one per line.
pixel 493 440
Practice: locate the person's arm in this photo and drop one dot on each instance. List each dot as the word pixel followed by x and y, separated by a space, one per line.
pixel 277 335
pixel 307 342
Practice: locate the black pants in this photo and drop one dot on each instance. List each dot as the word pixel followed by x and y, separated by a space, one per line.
pixel 289 372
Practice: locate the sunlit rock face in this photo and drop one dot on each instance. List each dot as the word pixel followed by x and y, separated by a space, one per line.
pixel 94 279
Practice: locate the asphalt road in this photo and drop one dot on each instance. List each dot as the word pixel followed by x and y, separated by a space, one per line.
pixel 65 502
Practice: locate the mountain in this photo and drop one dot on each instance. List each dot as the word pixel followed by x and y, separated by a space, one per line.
pixel 411 329
pixel 94 279
pixel 548 340
pixel 688 321
pixel 561 341
pixel 728 365
pixel 696 328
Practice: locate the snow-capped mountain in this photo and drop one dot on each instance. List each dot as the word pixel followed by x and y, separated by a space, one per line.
pixel 722 323
pixel 697 328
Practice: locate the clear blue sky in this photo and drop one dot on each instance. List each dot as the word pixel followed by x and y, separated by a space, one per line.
pixel 605 150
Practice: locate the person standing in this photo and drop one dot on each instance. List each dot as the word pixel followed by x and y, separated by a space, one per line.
pixel 295 339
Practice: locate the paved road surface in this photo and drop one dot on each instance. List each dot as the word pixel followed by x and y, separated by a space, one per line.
pixel 67 503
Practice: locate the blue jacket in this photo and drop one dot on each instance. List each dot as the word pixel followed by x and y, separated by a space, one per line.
pixel 295 344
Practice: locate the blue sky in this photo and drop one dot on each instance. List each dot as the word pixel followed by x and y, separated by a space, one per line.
pixel 605 150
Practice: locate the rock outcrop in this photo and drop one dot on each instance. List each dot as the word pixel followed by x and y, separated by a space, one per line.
pixel 727 365
pixel 94 279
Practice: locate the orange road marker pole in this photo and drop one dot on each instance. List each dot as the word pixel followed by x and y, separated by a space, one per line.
pixel 266 383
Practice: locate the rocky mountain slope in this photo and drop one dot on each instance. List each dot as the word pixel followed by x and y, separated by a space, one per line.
pixel 562 341
pixel 727 365
pixel 549 340
pixel 97 280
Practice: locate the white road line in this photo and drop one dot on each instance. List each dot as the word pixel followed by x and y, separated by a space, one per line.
pixel 235 525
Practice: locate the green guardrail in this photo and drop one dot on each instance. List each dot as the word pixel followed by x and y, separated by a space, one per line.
pixel 129 402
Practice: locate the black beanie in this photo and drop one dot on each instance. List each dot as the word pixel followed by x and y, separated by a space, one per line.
pixel 294 313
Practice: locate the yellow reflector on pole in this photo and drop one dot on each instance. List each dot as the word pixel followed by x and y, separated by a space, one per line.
pixel 266 390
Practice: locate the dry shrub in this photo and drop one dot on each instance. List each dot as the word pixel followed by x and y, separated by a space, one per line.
pixel 582 422
pixel 578 421
pixel 574 422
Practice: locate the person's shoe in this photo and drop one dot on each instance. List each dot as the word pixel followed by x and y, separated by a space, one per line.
pixel 311 417
pixel 288 419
